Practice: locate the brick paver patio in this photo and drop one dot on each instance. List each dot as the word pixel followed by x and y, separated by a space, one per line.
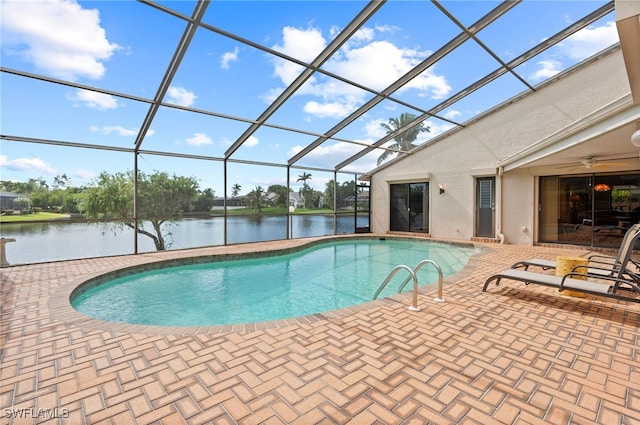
pixel 514 355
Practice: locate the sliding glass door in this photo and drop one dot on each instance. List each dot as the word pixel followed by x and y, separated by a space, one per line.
pixel 410 207
pixel 592 210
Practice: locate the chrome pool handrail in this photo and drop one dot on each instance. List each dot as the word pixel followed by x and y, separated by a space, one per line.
pixel 413 275
pixel 414 305
pixel 439 298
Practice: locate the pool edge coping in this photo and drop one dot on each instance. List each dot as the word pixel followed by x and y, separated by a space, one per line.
pixel 61 310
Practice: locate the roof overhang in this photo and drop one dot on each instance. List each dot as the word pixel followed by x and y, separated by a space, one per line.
pixel 605 134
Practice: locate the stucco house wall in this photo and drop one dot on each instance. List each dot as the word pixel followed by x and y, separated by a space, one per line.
pixel 455 159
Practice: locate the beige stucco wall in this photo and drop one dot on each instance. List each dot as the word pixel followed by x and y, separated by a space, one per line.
pixel 456 159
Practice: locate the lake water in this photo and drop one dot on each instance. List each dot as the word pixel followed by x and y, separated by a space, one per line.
pixel 53 241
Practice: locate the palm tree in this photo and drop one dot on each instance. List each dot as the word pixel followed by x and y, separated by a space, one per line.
pixel 404 140
pixel 305 189
pixel 257 198
pixel 235 189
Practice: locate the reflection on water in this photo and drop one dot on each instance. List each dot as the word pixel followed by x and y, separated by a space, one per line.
pixel 53 241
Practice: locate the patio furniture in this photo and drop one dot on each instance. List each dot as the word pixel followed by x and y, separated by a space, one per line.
pixel 618 283
pixel 599 264
pixel 605 286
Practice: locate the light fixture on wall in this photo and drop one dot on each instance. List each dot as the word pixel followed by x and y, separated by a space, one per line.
pixel 441 189
pixel 635 140
pixel 601 187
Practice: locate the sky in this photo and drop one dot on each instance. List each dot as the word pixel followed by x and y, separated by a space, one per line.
pixel 125 47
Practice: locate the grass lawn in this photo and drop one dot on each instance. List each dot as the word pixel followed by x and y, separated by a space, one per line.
pixel 31 217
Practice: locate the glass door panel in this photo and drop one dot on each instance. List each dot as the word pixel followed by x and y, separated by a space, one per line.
pixel 565 210
pixel 418 209
pixel 616 206
pixel 399 207
pixel 410 207
pixel 593 210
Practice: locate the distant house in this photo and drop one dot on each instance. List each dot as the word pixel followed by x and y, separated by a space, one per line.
pixel 232 202
pixel 272 197
pixel 6 200
pixel 296 200
pixel 351 201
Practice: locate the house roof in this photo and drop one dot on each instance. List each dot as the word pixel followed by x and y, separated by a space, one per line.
pixel 9 195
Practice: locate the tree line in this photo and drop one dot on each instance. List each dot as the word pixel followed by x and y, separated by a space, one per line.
pixel 61 197
pixel 161 198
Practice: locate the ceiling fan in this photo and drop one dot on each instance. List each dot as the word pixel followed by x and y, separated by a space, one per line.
pixel 590 162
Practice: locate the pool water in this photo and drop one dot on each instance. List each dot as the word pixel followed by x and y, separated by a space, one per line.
pixel 325 277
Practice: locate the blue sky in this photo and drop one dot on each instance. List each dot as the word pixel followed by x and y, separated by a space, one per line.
pixel 125 47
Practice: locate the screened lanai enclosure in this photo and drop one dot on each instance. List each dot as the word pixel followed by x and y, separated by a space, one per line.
pixel 132 126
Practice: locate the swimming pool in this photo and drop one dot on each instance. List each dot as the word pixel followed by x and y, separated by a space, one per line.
pixel 326 276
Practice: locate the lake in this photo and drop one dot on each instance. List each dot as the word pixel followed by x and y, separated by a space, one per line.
pixel 53 241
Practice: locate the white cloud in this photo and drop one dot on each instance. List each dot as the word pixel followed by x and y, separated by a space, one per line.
pixel 327 154
pixel 93 99
pixel 180 96
pixel 330 155
pixel 374 129
pixel 375 64
pixel 295 150
pixel 229 57
pixel 329 109
pixel 589 41
pixel 251 141
pixel 546 69
pixel 300 44
pixel 198 139
pixel 586 42
pixel 57 36
pixel 380 63
pixel 452 114
pixel 117 129
pixel 435 128
pixel 387 28
pixel 362 35
pixel 27 165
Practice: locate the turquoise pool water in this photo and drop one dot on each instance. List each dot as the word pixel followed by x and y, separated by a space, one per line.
pixel 321 278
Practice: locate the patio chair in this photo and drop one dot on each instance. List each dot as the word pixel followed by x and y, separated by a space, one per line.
pixel 620 283
pixel 603 265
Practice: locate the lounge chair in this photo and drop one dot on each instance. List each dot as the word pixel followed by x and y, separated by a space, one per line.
pixel 607 286
pixel 620 282
pixel 602 265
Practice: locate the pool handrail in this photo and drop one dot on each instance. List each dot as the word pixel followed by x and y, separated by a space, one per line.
pixel 414 304
pixel 439 298
pixel 413 275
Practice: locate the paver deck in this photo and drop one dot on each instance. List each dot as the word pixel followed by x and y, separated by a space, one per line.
pixel 513 355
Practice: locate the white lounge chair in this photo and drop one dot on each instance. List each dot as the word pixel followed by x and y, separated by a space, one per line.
pixel 608 286
pixel 599 264
pixel 619 283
